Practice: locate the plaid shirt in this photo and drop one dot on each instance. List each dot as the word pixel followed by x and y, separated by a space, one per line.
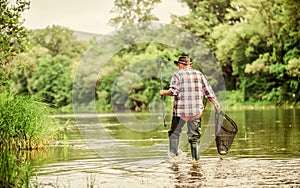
pixel 188 86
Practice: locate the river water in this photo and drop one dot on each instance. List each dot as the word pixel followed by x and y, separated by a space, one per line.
pixel 102 151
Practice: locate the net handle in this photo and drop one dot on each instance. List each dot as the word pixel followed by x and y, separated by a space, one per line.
pixel 227 118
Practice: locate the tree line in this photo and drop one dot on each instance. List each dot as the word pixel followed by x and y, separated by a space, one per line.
pixel 255 43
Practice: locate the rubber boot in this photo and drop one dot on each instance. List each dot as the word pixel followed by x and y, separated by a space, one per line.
pixel 195 149
pixel 173 146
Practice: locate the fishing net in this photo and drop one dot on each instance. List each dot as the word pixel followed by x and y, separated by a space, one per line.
pixel 226 129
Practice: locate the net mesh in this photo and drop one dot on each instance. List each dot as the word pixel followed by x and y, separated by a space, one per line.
pixel 226 129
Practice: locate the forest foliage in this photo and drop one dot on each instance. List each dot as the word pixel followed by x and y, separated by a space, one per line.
pixel 255 43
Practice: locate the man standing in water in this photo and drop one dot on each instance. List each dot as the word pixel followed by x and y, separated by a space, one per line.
pixel 188 86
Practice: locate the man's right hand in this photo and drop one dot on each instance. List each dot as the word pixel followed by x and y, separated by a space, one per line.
pixel 164 92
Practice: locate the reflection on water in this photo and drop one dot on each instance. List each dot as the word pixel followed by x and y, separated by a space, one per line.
pixel 265 153
pixel 267 133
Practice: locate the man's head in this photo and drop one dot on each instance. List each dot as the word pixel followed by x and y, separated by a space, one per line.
pixel 185 60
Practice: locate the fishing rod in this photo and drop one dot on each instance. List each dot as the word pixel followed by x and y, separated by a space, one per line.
pixel 162 97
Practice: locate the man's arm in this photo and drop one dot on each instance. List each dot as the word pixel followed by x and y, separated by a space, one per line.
pixel 215 103
pixel 174 85
pixel 210 94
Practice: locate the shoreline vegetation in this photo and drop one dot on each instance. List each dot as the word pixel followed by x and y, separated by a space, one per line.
pixel 24 126
pixel 86 110
pixel 260 105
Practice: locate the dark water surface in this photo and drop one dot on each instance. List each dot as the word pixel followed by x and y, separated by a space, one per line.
pixel 99 151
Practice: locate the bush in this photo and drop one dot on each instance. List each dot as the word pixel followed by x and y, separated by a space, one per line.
pixel 234 97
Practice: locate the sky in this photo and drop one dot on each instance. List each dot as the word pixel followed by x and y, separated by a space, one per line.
pixel 90 16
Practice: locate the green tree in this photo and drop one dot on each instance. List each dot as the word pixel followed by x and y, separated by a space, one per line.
pixel 132 12
pixel 22 68
pixel 289 36
pixel 281 45
pixel 138 72
pixel 58 47
pixel 52 81
pixel 246 41
pixel 203 17
pixel 59 41
pixel 256 43
pixel 13 36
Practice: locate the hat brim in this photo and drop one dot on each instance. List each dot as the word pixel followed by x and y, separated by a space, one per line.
pixel 182 62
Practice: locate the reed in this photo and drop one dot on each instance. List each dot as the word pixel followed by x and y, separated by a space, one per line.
pixel 15 171
pixel 24 125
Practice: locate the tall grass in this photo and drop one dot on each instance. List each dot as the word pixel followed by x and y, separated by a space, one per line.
pixel 15 171
pixel 24 125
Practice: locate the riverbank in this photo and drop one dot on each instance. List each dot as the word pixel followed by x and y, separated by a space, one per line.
pixel 69 111
pixel 251 106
